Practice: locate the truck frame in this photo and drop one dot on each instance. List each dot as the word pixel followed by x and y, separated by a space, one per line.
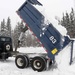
pixel 50 38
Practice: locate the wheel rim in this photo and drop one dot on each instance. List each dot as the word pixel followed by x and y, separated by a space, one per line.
pixel 20 62
pixel 7 47
pixel 37 64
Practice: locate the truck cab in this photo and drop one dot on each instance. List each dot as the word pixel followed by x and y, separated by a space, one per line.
pixel 5 47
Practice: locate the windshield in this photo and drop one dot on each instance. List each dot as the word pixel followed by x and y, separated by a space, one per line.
pixel 5 39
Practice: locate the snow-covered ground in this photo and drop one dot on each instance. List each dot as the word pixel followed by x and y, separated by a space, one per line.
pixel 62 66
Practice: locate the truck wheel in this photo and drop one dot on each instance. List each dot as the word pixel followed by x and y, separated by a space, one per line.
pixel 7 47
pixel 38 64
pixel 28 61
pixel 21 61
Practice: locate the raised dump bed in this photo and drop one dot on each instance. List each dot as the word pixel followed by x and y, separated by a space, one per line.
pixel 51 39
pixel 47 34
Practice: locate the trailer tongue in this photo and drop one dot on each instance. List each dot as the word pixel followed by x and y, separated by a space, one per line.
pixel 47 34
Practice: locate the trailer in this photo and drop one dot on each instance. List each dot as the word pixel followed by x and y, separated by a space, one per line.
pixel 50 38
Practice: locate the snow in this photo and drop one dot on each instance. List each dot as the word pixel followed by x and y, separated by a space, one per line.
pixel 61 67
pixel 32 50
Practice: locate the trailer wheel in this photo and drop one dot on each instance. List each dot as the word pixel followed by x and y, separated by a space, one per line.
pixel 38 64
pixel 21 61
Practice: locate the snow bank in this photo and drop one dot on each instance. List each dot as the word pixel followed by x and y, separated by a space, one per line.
pixel 31 50
pixel 63 58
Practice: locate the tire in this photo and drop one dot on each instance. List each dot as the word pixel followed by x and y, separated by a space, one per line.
pixel 7 47
pixel 21 61
pixel 38 64
pixel 28 61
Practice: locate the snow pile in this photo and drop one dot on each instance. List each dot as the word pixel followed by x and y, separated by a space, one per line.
pixel 31 50
pixel 63 58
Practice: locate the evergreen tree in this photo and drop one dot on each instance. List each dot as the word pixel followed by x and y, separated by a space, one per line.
pixel 17 32
pixel 3 25
pixel 6 28
pixel 27 40
pixel 72 22
pixel 9 26
pixel 31 40
pixel 3 28
pixel 68 21
pixel 16 35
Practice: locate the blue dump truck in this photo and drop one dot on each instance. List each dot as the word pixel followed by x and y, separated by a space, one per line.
pixel 51 39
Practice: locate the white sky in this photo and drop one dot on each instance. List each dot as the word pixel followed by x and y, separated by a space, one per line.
pixel 52 8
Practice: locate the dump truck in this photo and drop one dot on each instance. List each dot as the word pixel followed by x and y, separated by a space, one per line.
pixel 51 39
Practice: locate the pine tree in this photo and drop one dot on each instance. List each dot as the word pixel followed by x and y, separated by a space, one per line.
pixel 67 24
pixel 17 32
pixel 16 35
pixel 72 22
pixel 9 26
pixel 63 23
pixel 68 21
pixel 27 40
pixel 3 25
pixel 3 28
